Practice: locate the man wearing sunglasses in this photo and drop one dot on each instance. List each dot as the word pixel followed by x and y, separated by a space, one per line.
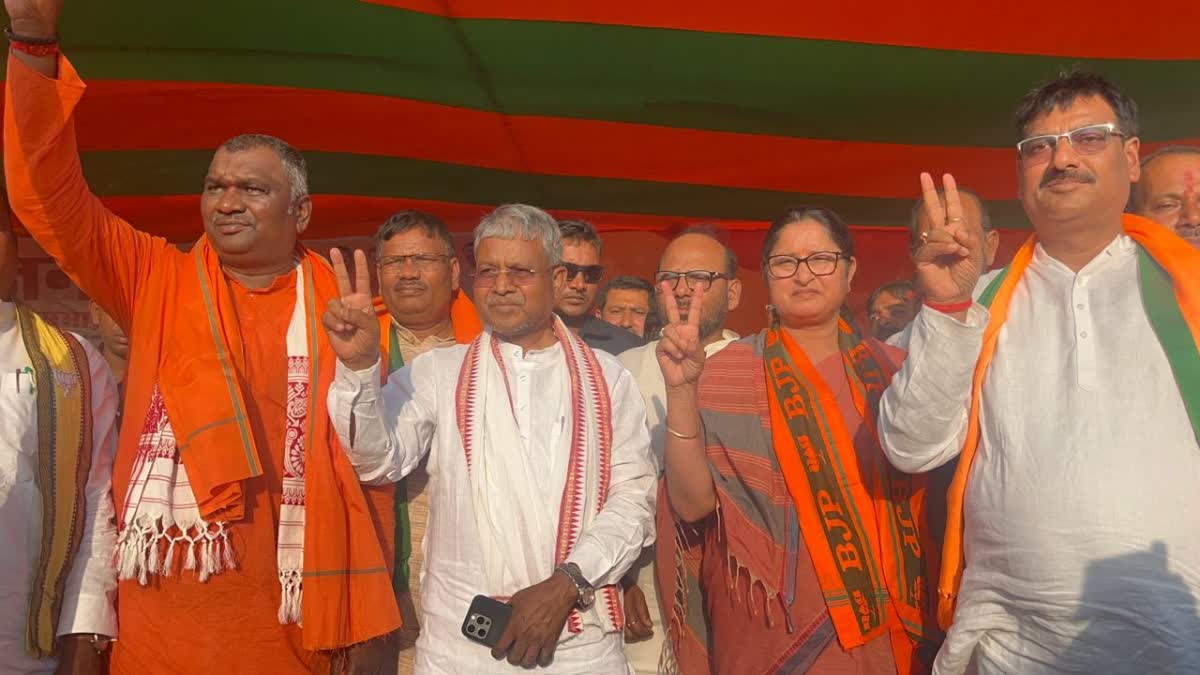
pixel 575 301
pixel 695 259
pixel 1169 190
pixel 1066 393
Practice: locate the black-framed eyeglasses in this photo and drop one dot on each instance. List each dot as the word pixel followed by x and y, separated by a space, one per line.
pixel 821 264
pixel 693 278
pixel 392 263
pixel 591 273
pixel 1087 140
pixel 486 277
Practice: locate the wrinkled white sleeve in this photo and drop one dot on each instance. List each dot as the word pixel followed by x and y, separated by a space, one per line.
pixel 616 537
pixel 923 413
pixel 385 430
pixel 91 586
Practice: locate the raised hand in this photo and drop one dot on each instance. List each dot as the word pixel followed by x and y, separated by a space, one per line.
pixel 350 319
pixel 33 18
pixel 950 257
pixel 680 351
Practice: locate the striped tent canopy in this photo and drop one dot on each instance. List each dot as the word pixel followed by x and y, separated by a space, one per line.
pixel 636 116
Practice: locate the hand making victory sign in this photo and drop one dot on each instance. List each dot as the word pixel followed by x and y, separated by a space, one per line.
pixel 680 351
pixel 350 318
pixel 949 259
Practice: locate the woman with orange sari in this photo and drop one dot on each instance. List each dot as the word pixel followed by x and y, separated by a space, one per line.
pixel 797 548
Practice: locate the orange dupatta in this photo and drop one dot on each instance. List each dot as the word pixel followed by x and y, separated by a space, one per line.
pixel 347 596
pixel 863 539
pixel 1180 260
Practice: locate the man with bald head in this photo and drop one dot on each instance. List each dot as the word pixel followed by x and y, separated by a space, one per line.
pixel 1169 190
pixel 695 259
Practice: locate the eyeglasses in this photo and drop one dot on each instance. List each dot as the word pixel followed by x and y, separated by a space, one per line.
pixel 487 277
pixel 1085 140
pixel 821 264
pixel 393 263
pixel 591 273
pixel 693 278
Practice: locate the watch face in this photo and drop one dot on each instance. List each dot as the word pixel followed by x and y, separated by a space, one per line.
pixel 588 596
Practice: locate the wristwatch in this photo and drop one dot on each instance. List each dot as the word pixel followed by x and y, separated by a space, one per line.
pixel 587 594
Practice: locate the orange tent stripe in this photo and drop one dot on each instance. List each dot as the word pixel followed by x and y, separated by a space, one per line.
pixel 140 115
pixel 1014 27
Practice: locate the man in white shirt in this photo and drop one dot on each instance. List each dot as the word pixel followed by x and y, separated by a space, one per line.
pixel 541 477
pixel 57 581
pixel 1071 542
pixel 695 258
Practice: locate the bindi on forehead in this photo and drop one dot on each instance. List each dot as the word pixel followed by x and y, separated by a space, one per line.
pixel 1189 182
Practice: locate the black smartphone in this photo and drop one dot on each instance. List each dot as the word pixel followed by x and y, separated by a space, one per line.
pixel 486 620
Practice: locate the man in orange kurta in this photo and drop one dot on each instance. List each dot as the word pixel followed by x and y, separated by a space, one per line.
pixel 212 344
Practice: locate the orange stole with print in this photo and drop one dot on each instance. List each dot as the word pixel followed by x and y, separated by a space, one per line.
pixel 859 520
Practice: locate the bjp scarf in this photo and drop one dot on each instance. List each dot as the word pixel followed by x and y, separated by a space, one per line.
pixel 858 516
pixel 64 416
pixel 1169 278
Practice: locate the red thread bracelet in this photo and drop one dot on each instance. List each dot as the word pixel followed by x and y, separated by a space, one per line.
pixel 35 50
pixel 34 46
pixel 950 307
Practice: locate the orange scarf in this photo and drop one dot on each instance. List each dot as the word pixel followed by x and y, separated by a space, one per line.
pixel 860 523
pixel 1180 261
pixel 463 317
pixel 347 589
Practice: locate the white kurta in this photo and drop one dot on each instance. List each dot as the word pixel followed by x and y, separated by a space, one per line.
pixel 92 583
pixel 414 414
pixel 1082 513
pixel 642 362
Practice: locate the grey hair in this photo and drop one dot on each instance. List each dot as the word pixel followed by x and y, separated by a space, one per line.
pixel 521 221
pixel 293 162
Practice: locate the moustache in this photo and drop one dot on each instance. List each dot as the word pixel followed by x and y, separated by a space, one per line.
pixel 404 285
pixel 1073 175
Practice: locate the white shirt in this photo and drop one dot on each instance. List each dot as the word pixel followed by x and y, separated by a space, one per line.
pixel 92 582
pixel 414 414
pixel 1082 511
pixel 901 339
pixel 642 363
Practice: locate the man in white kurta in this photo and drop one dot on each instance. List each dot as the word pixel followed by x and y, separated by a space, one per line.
pixel 1081 514
pixel 90 589
pixel 529 421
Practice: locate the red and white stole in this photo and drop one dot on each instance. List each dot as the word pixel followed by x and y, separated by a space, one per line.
pixel 520 545
pixel 161 518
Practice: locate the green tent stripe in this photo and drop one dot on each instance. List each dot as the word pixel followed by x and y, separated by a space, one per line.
pixel 170 172
pixel 754 84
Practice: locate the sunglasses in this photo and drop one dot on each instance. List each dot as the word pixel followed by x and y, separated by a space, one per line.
pixel 591 273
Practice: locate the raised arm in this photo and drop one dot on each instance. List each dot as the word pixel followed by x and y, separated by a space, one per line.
pixel 384 430
pixel 681 357
pixel 99 251
pixel 923 413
